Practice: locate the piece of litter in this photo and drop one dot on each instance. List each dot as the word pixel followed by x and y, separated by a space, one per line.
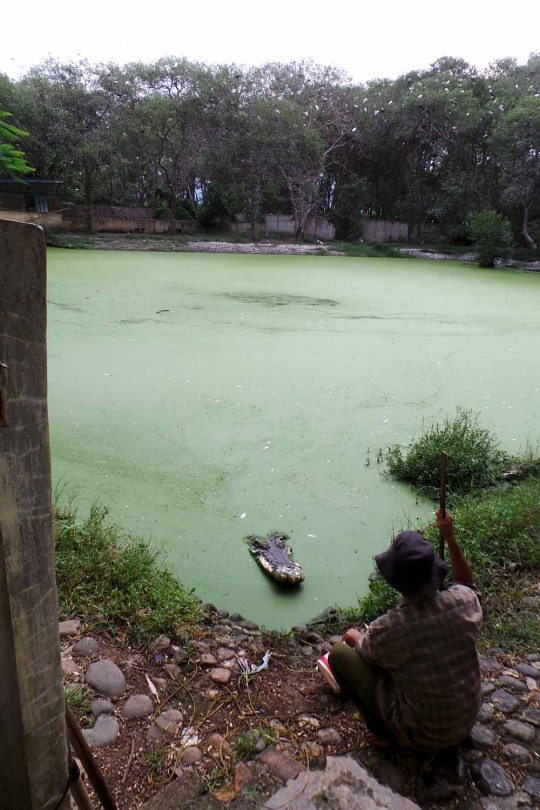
pixel 152 687
pixel 384 421
pixel 242 516
pixel 312 535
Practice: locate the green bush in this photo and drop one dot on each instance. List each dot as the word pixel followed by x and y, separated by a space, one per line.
pixel 474 457
pixel 491 236
pixel 115 581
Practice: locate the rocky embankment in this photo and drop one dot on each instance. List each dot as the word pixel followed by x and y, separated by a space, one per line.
pixel 183 714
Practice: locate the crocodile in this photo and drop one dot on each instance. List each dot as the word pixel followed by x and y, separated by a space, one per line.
pixel 275 557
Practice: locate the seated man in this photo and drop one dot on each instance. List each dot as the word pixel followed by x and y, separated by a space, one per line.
pixel 414 673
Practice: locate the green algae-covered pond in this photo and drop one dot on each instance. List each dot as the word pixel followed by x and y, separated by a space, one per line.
pixel 204 397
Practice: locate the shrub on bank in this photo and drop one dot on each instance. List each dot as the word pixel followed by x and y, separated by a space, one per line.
pixel 474 457
pixel 115 581
pixel 491 236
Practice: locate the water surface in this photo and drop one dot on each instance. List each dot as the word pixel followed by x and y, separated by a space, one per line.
pixel 204 397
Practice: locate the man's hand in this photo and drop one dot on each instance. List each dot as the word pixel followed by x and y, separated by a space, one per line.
pixel 445 524
pixel 352 636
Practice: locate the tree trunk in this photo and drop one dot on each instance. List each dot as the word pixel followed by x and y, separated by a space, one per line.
pixel 525 228
pixel 88 195
pixel 172 215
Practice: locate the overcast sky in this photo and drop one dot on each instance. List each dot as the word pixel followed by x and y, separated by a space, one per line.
pixel 367 39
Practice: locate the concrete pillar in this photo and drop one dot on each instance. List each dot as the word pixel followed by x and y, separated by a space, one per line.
pixel 33 754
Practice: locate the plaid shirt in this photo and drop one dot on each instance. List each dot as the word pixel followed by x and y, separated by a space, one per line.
pixel 429 690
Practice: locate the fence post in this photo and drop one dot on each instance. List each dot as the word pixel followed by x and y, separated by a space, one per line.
pixel 33 753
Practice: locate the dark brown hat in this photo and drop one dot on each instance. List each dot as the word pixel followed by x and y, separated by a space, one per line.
pixel 411 563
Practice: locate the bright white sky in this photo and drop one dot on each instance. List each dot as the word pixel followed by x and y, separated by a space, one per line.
pixel 368 39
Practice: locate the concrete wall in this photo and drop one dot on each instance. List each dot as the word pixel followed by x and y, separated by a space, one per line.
pixel 122 211
pixel 283 224
pixel 123 225
pixel 383 230
pixel 51 220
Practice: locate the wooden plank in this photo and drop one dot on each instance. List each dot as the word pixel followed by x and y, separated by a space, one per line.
pixel 33 754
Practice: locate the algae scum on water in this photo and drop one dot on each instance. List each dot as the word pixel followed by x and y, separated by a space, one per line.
pixel 205 397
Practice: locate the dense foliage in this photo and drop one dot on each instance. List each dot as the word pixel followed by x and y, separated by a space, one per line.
pixel 12 160
pixel 435 145
pixel 116 581
pixel 490 235
pixel 474 457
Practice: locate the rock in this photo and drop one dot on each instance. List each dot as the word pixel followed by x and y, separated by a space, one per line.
pixel 137 706
pixel 528 671
pixel 334 639
pixel 160 644
pixel 531 602
pixel 89 647
pixel 190 756
pixel 516 753
pixel 471 755
pixel 101 707
pixel 106 678
pixel 492 779
pixel 343 784
pixel 202 646
pixel 482 737
pixel 280 764
pixel 178 654
pixel 69 628
pixel 532 716
pixel 312 637
pixel 486 713
pixel 236 617
pixel 248 625
pixel 167 723
pixel 207 660
pixel 69 667
pixel 105 732
pixel 532 657
pixel 532 787
pixel 220 675
pixel 513 684
pixel 488 687
pixel 504 702
pixel 495 651
pixel 217 743
pixel 224 654
pixel 313 749
pixel 183 792
pixel 520 731
pixel 329 736
pixel 489 666
pixel 137 659
pixel 173 671
pixel 161 683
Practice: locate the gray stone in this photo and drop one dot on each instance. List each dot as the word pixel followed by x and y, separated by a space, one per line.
pixel 532 657
pixel 137 706
pixel 236 617
pixel 178 654
pixel 516 753
pixel 69 667
pixel 531 602
pixel 485 715
pixel 106 678
pixel 223 654
pixel 101 707
pixel 488 687
pixel 492 779
pixel 184 792
pixel 343 785
pixel 532 716
pixel 69 628
pixel 329 736
pixel 89 647
pixel 280 764
pixel 217 743
pixel 223 614
pixel 190 756
pixel 520 731
pixel 532 787
pixel 482 737
pixel 105 732
pixel 495 651
pixel 504 702
pixel 173 671
pixel 513 684
pixel 528 671
pixel 168 723
pixel 248 625
pixel 160 644
pixel 489 666
pixel 220 675
pixel 207 660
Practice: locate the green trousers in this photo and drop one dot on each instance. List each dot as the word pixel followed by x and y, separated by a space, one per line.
pixel 357 679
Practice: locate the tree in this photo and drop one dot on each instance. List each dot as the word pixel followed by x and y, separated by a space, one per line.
pixel 491 235
pixel 12 160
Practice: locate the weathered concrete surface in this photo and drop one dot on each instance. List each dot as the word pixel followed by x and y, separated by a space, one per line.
pixel 33 757
pixel 343 785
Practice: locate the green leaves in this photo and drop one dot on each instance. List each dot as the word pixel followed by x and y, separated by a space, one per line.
pixel 12 160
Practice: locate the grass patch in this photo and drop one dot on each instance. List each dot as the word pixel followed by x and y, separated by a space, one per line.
pixel 361 250
pixel 116 581
pixel 78 698
pixel 474 457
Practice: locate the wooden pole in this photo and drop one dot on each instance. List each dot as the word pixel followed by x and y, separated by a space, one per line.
pixel 442 500
pixel 33 749
pixel 80 796
pixel 88 762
